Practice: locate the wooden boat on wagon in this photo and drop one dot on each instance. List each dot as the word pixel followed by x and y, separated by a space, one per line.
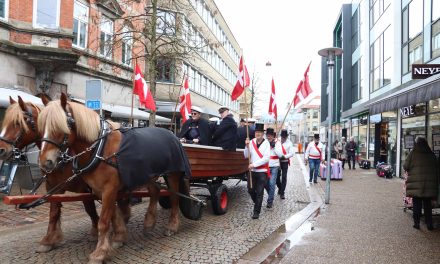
pixel 210 166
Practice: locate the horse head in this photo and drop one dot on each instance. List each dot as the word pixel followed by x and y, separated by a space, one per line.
pixel 62 123
pixel 19 128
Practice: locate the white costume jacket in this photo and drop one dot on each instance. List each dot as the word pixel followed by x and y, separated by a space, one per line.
pixel 260 163
pixel 315 151
pixel 287 149
pixel 275 154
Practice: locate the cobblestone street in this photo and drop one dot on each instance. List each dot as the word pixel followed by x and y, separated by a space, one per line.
pixel 213 239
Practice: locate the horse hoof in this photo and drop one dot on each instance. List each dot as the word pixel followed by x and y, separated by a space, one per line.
pixel 95 262
pixel 169 232
pixel 117 244
pixel 147 230
pixel 44 248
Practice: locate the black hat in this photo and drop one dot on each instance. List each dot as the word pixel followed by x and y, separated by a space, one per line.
pixel 316 136
pixel 242 120
pixel 270 131
pixel 284 133
pixel 259 127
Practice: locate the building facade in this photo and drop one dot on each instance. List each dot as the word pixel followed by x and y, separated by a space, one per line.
pixel 381 105
pixel 54 46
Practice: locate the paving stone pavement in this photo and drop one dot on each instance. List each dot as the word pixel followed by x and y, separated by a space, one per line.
pixel 365 223
pixel 213 239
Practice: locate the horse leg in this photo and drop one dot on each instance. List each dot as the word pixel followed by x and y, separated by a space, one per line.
pixel 174 220
pixel 54 234
pixel 90 208
pixel 124 206
pixel 119 229
pixel 150 216
pixel 103 247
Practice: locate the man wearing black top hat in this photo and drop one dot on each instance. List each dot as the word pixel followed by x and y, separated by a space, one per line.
pixel 196 129
pixel 225 134
pixel 258 151
pixel 287 149
pixel 314 155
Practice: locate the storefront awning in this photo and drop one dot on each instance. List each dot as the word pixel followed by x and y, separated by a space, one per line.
pixel 418 92
pixel 6 92
pixel 119 111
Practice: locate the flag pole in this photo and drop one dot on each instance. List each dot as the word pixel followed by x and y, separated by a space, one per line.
pixel 131 121
pixel 247 119
pixel 177 103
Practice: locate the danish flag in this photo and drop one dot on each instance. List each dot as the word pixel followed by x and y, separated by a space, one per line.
pixel 185 101
pixel 303 90
pixel 273 103
pixel 243 80
pixel 141 89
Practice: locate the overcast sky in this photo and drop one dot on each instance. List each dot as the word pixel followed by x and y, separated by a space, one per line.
pixel 288 33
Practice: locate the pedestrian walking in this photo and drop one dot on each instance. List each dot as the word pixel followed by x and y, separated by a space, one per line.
pixel 314 155
pixel 274 164
pixel 287 149
pixel 351 153
pixel 344 152
pixel 422 183
pixel 259 151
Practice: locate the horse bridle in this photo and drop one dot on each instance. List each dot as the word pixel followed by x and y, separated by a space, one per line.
pixel 63 147
pixel 31 124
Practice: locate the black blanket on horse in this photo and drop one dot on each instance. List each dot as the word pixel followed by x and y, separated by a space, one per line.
pixel 148 152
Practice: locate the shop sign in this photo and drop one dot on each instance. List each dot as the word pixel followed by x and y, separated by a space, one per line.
pixel 375 118
pixel 423 71
pixel 408 111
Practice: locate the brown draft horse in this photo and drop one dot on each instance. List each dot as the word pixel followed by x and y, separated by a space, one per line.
pixel 19 130
pixel 72 124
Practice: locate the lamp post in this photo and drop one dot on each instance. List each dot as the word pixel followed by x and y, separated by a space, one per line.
pixel 330 54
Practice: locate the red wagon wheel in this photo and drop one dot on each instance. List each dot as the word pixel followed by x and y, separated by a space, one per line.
pixel 220 200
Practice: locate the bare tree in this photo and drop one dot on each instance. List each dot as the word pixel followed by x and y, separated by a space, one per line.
pixel 159 36
pixel 255 92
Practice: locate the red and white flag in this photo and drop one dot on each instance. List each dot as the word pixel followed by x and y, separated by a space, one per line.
pixel 243 80
pixel 303 89
pixel 273 103
pixel 141 89
pixel 185 101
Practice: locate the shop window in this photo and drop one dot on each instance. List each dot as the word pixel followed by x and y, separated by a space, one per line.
pixel 46 14
pixel 433 133
pixel 434 105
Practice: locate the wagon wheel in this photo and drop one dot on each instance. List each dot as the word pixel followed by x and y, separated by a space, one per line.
pixel 165 202
pixel 219 199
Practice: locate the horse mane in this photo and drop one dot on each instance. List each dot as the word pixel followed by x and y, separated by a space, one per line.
pixel 53 119
pixel 14 116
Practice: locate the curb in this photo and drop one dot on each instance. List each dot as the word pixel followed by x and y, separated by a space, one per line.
pixel 280 240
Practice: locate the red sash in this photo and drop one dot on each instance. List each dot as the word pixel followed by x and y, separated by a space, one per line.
pixel 284 153
pixel 264 166
pixel 320 154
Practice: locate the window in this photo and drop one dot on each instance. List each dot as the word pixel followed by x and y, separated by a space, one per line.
pixel 46 14
pixel 166 23
pixel 355 82
pixel 377 8
pixel 315 126
pixel 106 38
pixel 355 30
pixel 412 37
pixel 3 9
pixel 435 29
pixel 315 113
pixel 80 22
pixel 127 45
pixel 165 70
pixel 380 61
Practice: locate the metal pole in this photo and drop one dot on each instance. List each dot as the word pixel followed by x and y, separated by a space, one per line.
pixel 330 64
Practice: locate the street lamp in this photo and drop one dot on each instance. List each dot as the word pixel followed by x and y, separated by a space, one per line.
pixel 330 54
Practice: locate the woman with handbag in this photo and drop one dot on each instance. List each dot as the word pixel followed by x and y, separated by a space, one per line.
pixel 423 180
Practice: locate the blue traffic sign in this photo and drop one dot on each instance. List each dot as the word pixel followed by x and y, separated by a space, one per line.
pixel 93 104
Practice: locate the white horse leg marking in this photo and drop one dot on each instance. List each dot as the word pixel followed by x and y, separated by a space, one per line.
pixel 3 132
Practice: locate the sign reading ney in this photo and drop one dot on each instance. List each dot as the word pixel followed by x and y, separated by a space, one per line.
pixel 93 94
pixel 408 111
pixel 423 71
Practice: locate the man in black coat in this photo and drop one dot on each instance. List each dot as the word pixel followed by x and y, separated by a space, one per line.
pixel 225 134
pixel 351 153
pixel 196 129
pixel 242 133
